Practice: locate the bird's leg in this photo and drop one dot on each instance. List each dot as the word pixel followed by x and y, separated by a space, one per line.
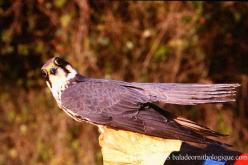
pixel 163 112
pixel 143 106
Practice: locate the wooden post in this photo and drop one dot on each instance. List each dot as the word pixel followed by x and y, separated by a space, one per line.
pixel 124 147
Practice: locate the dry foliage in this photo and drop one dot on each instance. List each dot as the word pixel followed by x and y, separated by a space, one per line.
pixel 133 41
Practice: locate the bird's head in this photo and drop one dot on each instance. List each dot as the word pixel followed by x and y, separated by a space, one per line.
pixel 57 72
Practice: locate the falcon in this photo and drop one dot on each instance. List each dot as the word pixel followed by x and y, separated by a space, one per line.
pixel 133 106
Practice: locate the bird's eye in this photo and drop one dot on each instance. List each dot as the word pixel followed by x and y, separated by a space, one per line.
pixel 53 71
pixel 60 62
pixel 44 74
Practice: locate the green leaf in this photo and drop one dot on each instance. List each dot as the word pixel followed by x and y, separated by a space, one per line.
pixel 65 20
pixel 22 49
pixel 7 49
pixel 104 41
pixel 39 47
pixel 161 53
pixel 186 19
pixel 60 3
pixel 6 36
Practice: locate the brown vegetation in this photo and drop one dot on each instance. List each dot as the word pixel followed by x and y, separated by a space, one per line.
pixel 133 41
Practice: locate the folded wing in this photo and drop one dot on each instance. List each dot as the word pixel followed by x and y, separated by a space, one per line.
pixel 188 94
pixel 122 107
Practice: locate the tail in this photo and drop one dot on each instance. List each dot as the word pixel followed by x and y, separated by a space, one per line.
pixel 197 132
pixel 197 127
pixel 202 130
pixel 189 94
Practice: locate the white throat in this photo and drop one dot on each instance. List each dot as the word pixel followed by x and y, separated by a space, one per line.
pixel 60 82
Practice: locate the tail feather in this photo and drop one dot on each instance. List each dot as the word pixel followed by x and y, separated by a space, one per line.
pixel 197 127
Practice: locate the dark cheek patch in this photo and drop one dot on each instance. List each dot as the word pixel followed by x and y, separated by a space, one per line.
pixel 66 71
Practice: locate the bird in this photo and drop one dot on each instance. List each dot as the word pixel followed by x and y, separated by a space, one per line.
pixel 134 106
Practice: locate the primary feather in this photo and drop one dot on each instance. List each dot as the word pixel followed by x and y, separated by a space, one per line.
pixel 189 94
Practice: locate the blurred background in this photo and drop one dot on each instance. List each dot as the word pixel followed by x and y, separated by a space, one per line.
pixel 189 42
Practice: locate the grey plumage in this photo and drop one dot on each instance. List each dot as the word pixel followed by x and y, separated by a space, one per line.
pixel 131 106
